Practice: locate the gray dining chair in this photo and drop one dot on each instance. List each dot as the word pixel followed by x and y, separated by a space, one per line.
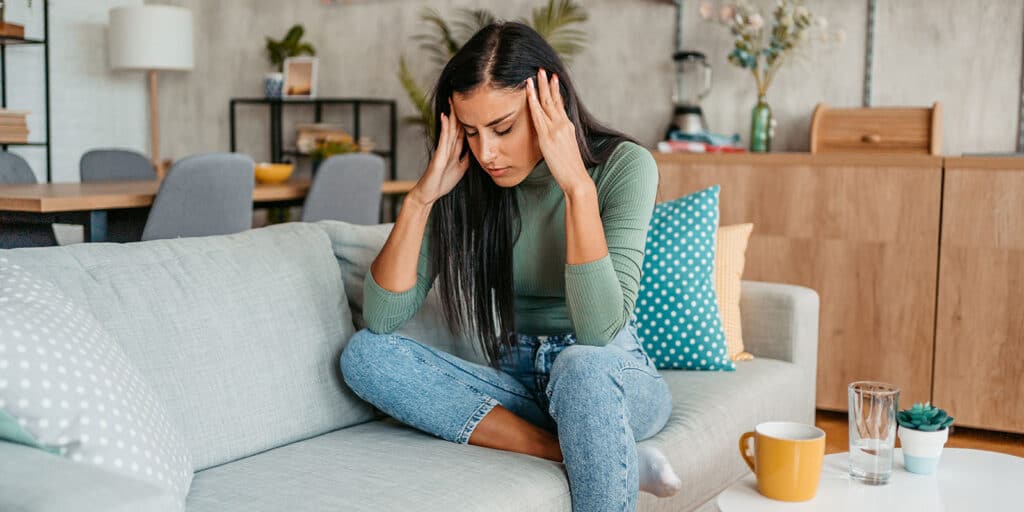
pixel 348 188
pixel 111 164
pixel 203 195
pixel 14 170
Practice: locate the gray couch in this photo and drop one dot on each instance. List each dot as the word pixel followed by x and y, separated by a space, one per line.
pixel 240 336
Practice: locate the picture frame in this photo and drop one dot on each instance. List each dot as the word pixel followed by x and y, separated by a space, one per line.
pixel 300 77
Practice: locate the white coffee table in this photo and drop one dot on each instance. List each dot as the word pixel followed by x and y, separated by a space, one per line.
pixel 965 480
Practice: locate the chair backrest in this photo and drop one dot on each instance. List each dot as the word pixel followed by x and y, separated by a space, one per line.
pixel 877 130
pixel 203 195
pixel 115 165
pixel 346 188
pixel 14 170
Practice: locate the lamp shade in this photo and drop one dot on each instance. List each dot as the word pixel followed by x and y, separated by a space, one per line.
pixel 150 37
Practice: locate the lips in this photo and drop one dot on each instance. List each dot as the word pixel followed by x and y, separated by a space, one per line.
pixel 496 171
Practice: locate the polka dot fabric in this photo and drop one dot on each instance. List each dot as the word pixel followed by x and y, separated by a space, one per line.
pixel 72 390
pixel 676 310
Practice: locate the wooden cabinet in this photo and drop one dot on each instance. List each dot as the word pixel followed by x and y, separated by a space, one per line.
pixel 979 340
pixel 861 230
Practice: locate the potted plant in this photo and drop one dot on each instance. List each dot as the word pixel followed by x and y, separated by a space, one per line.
pixel 924 429
pixel 330 146
pixel 277 51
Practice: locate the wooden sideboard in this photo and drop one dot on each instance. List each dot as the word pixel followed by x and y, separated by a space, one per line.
pixel 979 337
pixel 867 232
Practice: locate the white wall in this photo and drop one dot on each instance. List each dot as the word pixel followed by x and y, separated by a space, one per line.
pixel 91 105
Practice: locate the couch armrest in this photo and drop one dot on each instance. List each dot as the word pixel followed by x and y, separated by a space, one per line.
pixel 780 321
pixel 32 480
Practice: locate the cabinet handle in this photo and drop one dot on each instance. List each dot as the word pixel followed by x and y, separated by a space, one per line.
pixel 871 138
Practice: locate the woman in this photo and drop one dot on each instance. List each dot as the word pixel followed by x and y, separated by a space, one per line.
pixel 536 238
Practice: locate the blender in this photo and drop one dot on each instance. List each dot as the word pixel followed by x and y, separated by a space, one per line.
pixel 693 82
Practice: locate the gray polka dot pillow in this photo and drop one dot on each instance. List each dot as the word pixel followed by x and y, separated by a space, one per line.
pixel 67 387
pixel 676 311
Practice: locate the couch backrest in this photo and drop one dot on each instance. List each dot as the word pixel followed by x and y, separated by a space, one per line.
pixel 239 335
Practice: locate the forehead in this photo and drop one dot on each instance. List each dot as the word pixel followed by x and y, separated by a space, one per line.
pixel 485 104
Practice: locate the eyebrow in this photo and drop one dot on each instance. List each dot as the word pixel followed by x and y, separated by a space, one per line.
pixel 492 123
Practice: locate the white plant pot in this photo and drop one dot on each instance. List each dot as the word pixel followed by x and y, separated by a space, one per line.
pixel 921 450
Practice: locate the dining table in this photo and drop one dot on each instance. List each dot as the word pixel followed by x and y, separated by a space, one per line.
pixel 88 203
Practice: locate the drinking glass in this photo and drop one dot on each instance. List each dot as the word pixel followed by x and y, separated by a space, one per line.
pixel 873 407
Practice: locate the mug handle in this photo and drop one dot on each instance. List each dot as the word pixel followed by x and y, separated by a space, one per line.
pixel 744 445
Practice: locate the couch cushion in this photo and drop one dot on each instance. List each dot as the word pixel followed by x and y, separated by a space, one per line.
pixel 356 247
pixel 382 466
pixel 710 411
pixel 239 335
pixel 74 392
pixel 385 466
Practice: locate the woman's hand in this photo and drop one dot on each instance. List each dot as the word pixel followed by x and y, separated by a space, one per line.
pixel 446 167
pixel 556 133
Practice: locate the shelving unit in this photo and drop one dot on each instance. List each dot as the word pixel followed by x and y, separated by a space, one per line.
pixel 6 41
pixel 276 136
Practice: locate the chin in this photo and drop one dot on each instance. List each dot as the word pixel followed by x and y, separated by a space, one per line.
pixel 508 180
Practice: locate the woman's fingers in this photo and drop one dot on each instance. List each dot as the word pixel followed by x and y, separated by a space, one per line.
pixel 544 91
pixel 556 94
pixel 536 111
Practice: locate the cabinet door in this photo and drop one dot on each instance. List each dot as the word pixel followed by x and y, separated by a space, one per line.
pixel 979 343
pixel 862 231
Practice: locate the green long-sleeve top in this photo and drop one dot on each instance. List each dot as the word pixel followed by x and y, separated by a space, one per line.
pixel 595 299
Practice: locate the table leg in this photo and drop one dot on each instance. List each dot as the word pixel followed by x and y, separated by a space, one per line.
pixel 96 226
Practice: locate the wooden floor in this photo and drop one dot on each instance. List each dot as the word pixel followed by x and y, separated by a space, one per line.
pixel 837 436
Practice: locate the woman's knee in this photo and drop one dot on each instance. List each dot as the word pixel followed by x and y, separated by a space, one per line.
pixel 362 355
pixel 583 369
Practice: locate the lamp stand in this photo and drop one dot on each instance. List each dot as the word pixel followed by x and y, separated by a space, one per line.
pixel 154 127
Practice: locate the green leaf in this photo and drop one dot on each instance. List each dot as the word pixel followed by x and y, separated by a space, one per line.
pixel 294 34
pixel 418 97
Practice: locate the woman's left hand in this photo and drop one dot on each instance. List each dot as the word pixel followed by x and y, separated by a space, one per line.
pixel 556 133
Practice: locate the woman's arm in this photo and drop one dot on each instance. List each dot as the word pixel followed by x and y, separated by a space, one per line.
pixel 400 277
pixel 601 283
pixel 605 225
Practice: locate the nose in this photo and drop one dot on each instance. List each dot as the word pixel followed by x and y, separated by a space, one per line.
pixel 488 150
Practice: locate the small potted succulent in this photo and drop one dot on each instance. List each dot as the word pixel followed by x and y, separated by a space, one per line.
pixel 924 429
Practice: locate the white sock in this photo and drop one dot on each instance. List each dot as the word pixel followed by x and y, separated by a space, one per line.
pixel 656 474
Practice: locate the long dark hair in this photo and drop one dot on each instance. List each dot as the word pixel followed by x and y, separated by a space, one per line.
pixel 474 227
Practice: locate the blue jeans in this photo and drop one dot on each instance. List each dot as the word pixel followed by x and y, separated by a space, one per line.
pixel 598 400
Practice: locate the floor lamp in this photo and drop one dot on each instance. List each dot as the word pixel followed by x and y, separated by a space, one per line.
pixel 151 38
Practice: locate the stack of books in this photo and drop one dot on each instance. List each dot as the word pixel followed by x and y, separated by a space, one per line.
pixel 13 128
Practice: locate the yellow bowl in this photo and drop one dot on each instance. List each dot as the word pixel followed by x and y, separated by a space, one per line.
pixel 273 173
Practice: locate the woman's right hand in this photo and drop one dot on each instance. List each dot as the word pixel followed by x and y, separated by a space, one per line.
pixel 446 168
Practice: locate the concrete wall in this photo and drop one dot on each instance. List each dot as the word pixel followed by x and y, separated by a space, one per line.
pixel 926 50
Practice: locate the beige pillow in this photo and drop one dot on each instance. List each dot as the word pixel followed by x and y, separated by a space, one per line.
pixel 729 261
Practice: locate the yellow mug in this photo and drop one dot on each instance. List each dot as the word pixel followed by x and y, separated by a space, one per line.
pixel 787 459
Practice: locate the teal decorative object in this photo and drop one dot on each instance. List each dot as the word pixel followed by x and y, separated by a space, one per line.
pixel 676 311
pixel 924 417
pixel 761 127
pixel 923 432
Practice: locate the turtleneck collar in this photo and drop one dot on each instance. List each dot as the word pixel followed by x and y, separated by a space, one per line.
pixel 540 175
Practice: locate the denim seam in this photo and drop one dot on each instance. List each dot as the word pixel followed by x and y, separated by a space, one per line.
pixel 474 419
pixel 621 395
pixel 395 337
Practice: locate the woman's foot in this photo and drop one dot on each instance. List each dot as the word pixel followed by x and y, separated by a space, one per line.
pixel 656 474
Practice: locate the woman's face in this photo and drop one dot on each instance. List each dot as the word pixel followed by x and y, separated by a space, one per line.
pixel 500 132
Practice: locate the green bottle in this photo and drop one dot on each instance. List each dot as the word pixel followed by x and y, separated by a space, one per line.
pixel 760 126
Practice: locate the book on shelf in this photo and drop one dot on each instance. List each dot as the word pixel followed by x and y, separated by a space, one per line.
pixel 12 30
pixel 681 146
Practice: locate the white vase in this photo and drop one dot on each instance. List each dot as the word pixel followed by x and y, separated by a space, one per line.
pixel 272 84
pixel 921 449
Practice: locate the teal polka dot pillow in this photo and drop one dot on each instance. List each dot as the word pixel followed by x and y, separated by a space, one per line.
pixel 676 312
